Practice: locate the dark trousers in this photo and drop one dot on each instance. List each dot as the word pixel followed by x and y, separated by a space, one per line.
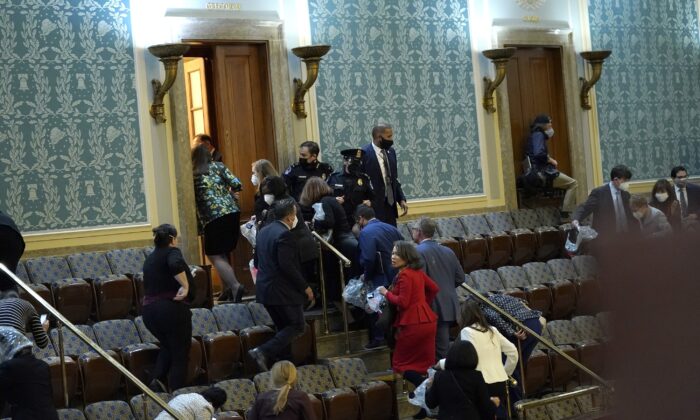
pixel 25 383
pixel 289 321
pixel 442 338
pixel 388 213
pixel 527 346
pixel 171 323
pixel 11 250
pixel 498 389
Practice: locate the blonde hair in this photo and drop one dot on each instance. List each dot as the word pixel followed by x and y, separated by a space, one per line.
pixel 283 376
pixel 263 168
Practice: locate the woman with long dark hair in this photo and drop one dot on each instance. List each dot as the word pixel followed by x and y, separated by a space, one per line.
pixel 166 283
pixel 412 293
pixel 490 344
pixel 459 390
pixel 216 191
pixel 663 197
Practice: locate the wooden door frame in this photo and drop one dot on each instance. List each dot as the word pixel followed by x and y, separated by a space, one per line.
pixel 578 150
pixel 226 30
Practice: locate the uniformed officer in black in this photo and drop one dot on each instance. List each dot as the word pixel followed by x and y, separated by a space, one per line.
pixel 308 166
pixel 351 183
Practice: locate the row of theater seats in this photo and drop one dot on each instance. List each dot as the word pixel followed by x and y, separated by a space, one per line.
pixel 221 339
pixel 564 409
pixel 558 288
pixel 339 390
pixel 492 240
pixel 584 338
pixel 106 285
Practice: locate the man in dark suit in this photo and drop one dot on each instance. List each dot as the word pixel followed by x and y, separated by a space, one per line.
pixel 441 265
pixel 688 195
pixel 610 205
pixel 379 162
pixel 375 244
pixel 11 249
pixel 208 142
pixel 280 285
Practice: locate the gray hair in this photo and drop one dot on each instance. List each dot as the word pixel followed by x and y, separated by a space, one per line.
pixel 426 226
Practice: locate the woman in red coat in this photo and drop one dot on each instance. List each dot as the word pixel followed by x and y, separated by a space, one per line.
pixel 416 323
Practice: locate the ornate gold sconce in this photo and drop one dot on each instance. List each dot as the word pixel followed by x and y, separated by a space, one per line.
pixel 311 55
pixel 169 55
pixel 595 58
pixel 499 57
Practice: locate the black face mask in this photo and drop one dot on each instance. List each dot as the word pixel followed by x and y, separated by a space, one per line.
pixel 385 144
pixel 354 168
pixel 305 163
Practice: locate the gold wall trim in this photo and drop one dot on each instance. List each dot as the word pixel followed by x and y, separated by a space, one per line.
pixel 86 239
pixel 451 206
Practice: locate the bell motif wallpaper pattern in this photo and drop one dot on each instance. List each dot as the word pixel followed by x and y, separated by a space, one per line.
pixel 648 98
pixel 407 63
pixel 69 133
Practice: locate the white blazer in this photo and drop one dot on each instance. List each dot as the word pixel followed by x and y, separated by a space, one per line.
pixel 489 345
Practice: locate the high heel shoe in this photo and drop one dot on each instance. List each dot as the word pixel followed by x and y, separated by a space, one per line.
pixel 239 294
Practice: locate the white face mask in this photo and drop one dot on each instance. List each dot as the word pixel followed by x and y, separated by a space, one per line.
pixel 638 215
pixel 625 186
pixel 661 197
pixel 549 132
pixel 254 179
pixel 294 222
pixel 269 199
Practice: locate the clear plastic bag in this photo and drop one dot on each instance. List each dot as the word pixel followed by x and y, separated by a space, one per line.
pixel 355 292
pixel 587 233
pixel 253 270
pixel 249 231
pixel 11 342
pixel 375 300
pixel 419 395
pixel 319 213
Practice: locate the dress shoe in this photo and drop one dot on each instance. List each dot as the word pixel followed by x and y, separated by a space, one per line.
pixel 373 344
pixel 239 294
pixel 259 358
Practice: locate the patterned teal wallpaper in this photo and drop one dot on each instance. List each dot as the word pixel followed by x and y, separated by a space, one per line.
pixel 649 95
pixel 407 63
pixel 69 132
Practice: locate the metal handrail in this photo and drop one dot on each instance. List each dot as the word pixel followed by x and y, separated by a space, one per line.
pixel 342 262
pixel 539 338
pixel 63 320
pixel 522 407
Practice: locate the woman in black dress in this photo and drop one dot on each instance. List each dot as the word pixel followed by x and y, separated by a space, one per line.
pixel 460 391
pixel 166 282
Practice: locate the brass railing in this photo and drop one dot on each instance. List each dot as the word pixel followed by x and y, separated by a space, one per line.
pixel 591 390
pixel 539 338
pixel 343 262
pixel 62 320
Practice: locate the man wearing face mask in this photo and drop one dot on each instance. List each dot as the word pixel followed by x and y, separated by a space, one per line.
pixel 609 205
pixel 688 195
pixel 379 163
pixel 351 186
pixel 652 221
pixel 536 149
pixel 280 285
pixel 308 165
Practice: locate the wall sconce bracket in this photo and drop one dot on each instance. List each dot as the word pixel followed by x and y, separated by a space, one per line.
pixel 499 57
pixel 595 59
pixel 169 55
pixel 311 56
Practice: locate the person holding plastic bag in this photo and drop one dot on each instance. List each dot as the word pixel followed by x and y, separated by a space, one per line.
pixel 460 391
pixel 327 216
pixel 416 323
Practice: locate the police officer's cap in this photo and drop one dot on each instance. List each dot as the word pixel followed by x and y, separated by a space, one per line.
pixel 352 153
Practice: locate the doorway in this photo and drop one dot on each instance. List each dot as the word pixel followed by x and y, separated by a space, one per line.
pixel 229 97
pixel 536 86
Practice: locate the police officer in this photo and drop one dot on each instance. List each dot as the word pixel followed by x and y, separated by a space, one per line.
pixel 351 184
pixel 298 173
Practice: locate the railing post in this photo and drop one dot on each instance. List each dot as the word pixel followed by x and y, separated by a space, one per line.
pixel 344 307
pixel 522 366
pixel 61 354
pixel 322 277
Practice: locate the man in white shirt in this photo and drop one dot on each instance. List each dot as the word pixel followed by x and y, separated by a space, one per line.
pixel 688 195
